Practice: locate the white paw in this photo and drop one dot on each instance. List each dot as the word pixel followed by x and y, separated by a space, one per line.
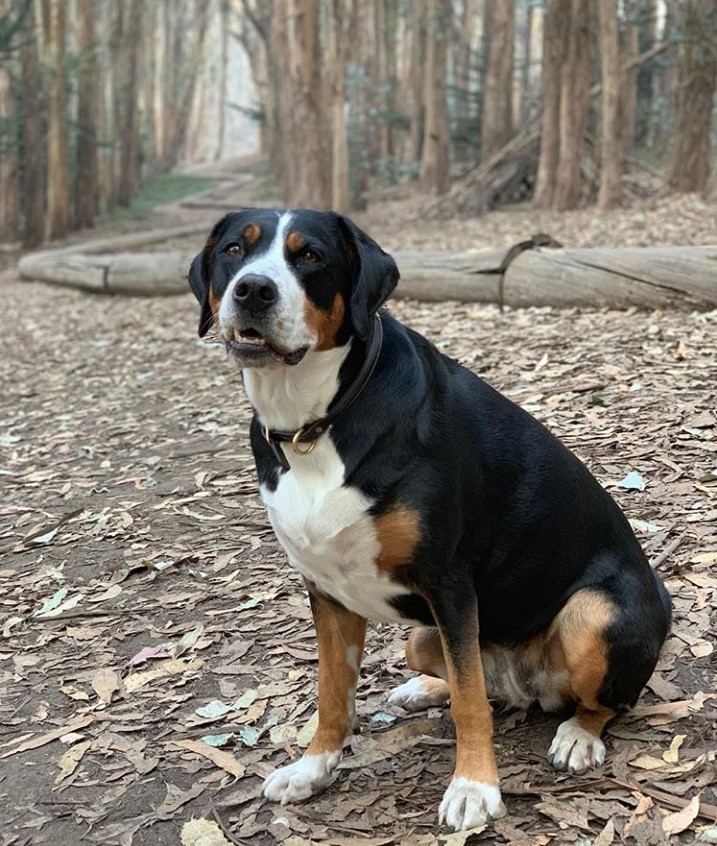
pixel 419 693
pixel 575 749
pixel 302 779
pixel 470 804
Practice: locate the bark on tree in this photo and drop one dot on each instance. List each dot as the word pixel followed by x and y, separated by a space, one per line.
pixel 86 174
pixel 497 112
pixel 697 75
pixel 647 37
pixel 127 117
pixel 415 78
pixel 58 185
pixel 555 41
pixel 340 144
pixel 527 44
pixel 629 48
pixel 435 167
pixel 9 159
pixel 611 144
pixel 574 99
pixel 225 9
pixel 33 186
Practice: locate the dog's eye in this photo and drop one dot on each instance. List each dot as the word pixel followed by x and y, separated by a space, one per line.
pixel 309 256
pixel 233 249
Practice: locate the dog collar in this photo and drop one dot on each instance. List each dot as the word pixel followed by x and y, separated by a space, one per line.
pixel 308 435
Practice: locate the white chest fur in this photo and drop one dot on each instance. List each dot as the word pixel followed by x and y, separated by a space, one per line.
pixel 327 533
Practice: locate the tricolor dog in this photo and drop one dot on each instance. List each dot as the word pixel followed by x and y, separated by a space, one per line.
pixel 405 489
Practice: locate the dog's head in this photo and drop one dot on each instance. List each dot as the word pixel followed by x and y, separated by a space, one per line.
pixel 280 283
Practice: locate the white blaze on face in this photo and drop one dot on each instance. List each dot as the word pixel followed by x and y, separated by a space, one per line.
pixel 289 330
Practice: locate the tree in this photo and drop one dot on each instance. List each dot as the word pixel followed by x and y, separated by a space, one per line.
pixel 498 50
pixel 34 141
pixel 436 150
pixel 555 40
pixel 574 99
pixel 58 166
pixel 611 145
pixel 86 176
pixel 9 159
pixel 697 75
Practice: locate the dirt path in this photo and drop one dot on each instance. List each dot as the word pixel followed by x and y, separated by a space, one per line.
pixel 146 607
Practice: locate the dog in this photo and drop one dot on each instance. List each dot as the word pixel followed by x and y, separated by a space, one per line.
pixel 403 488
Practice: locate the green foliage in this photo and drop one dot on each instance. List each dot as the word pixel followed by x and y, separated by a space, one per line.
pixel 164 188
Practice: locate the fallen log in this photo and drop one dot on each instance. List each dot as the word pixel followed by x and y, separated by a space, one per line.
pixel 618 277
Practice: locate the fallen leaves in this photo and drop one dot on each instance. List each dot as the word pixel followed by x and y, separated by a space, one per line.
pixel 225 760
pixel 680 821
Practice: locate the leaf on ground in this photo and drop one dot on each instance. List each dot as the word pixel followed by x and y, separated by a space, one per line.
pixel 672 755
pixel 106 683
pixel 50 736
pixel 148 653
pixel 187 641
pixel 202 832
pixel 308 730
pixel 606 836
pixel 167 668
pixel 632 482
pixel 71 759
pixel 679 821
pixel 52 602
pixel 224 760
pixel 459 838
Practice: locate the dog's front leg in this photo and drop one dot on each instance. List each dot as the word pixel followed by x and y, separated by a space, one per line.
pixel 340 635
pixel 473 796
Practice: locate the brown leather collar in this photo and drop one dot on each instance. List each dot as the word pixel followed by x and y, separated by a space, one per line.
pixel 310 433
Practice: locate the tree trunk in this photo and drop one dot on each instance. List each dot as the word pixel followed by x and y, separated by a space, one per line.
pixel 555 43
pixel 435 167
pixel 128 123
pixel 9 159
pixel 415 79
pixel 629 49
pixel 312 186
pixel 34 188
pixel 225 9
pixel 86 175
pixel 525 93
pixel 611 147
pixel 497 113
pixel 58 186
pixel 387 31
pixel 697 74
pixel 574 100
pixel 647 36
pixel 340 145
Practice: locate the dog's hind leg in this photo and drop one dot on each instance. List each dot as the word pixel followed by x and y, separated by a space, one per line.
pixel 424 653
pixel 580 632
pixel 340 636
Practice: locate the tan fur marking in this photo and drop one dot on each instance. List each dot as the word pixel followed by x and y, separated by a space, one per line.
pixel 295 242
pixel 470 709
pixel 580 629
pixel 214 301
pixel 398 532
pixel 251 233
pixel 340 635
pixel 325 324
pixel 424 653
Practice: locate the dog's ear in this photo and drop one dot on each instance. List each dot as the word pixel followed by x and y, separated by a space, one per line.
pixel 375 275
pixel 200 278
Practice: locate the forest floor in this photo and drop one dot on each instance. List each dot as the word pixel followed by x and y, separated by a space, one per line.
pixel 157 657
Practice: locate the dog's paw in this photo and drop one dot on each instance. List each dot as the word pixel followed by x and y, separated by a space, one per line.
pixel 302 779
pixel 420 693
pixel 470 804
pixel 575 749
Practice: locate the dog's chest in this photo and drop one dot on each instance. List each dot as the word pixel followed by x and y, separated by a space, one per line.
pixel 328 534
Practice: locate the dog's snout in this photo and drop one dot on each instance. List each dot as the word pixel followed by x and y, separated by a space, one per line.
pixel 255 293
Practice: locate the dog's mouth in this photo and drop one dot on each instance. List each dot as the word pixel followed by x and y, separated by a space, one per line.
pixel 252 349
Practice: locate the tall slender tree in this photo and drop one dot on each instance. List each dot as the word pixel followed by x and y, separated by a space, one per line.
pixel 498 50
pixel 436 151
pixel 611 143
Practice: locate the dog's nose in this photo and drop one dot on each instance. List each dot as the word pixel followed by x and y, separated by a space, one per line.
pixel 255 293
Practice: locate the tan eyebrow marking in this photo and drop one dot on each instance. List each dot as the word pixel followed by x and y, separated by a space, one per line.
pixel 295 242
pixel 251 233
